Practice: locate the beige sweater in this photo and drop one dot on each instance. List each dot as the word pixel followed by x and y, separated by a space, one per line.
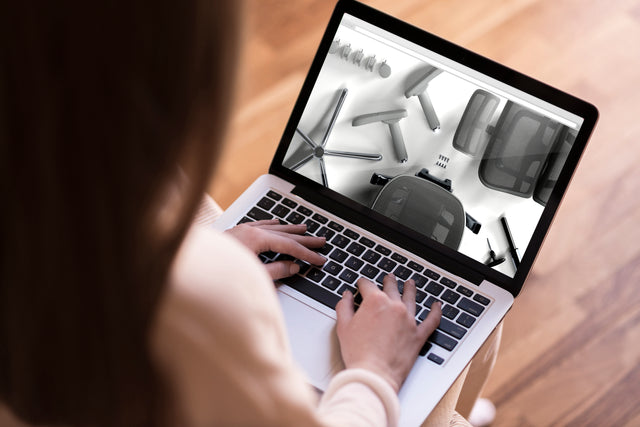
pixel 221 340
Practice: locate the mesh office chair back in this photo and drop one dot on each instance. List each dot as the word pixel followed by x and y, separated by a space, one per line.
pixel 517 150
pixel 471 134
pixel 554 164
pixel 423 206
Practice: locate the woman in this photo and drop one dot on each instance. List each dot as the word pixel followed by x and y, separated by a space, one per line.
pixel 114 311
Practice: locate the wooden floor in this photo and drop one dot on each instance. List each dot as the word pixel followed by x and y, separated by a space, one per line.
pixel 571 347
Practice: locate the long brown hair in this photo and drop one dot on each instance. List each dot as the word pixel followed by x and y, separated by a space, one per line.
pixel 99 104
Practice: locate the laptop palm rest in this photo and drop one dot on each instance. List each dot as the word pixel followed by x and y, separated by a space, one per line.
pixel 306 327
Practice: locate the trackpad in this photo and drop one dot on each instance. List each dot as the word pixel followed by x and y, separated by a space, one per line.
pixel 314 343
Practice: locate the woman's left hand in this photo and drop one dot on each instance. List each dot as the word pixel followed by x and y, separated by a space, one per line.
pixel 289 239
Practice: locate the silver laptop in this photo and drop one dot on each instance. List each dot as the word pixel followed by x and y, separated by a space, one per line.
pixel 416 157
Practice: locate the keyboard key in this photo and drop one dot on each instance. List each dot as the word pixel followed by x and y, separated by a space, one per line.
pixel 380 280
pixel 369 271
pixel 470 307
pixel 281 211
pixel 415 266
pixel 386 264
pixel 420 296
pixel 431 274
pixel 258 214
pixel 316 275
pixel 464 291
pixel 304 267
pixel 354 263
pixel 430 301
pixel 284 257
pixel 244 220
pixel 295 218
pixel 346 288
pixel 349 276
pixel 321 219
pixel 398 258
pixel 289 203
pixel 340 241
pixel 367 242
pixel 266 203
pixel 351 234
pixel 335 226
pixel 448 282
pixel 332 268
pixel 435 359
pixel 452 329
pixel 420 280
pixel 450 296
pixel 371 256
pixel 443 340
pixel 481 299
pixel 333 283
pixel 312 290
pixel 274 195
pixel 425 348
pixel 402 272
pixel 423 315
pixel 466 320
pixel 434 288
pixel 357 299
pixel 383 250
pixel 449 311
pixel 339 255
pixel 304 210
pixel 325 232
pixel 326 249
pixel 312 226
pixel 355 248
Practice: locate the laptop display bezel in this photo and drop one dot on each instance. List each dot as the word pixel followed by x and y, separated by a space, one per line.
pixel 378 224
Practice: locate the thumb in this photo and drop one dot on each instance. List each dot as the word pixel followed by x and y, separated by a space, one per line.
pixel 281 269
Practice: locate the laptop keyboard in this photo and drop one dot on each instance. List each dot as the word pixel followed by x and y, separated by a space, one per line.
pixel 351 255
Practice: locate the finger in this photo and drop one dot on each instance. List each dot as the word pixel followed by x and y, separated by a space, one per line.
pixel 286 228
pixel 432 321
pixel 390 286
pixel 285 245
pixel 366 287
pixel 308 241
pixel 409 296
pixel 262 222
pixel 344 310
pixel 281 269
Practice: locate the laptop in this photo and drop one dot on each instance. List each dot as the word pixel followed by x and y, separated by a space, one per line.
pixel 417 157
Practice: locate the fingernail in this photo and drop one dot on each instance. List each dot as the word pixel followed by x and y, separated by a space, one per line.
pixel 294 268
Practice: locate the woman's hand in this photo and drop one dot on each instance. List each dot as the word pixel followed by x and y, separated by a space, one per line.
pixel 382 336
pixel 289 239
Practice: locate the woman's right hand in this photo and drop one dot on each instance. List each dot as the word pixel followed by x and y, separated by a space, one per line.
pixel 382 336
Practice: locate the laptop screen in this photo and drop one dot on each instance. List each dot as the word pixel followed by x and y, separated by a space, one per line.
pixel 453 154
